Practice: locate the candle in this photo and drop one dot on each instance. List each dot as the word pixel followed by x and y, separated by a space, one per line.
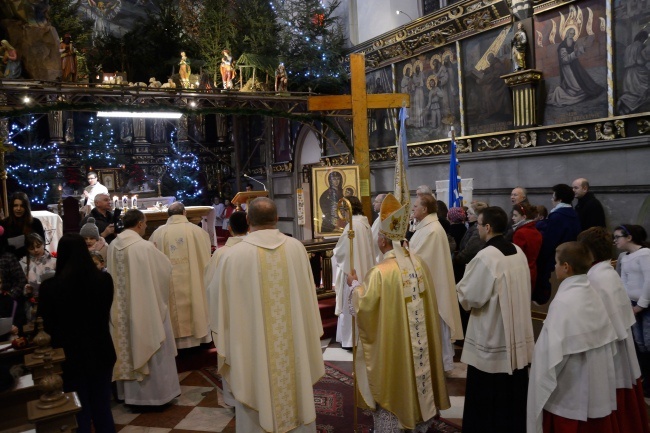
pixel 115 202
pixel 134 202
pixel 125 202
pixel 60 188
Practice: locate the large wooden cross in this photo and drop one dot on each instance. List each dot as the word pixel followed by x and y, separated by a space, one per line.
pixel 359 102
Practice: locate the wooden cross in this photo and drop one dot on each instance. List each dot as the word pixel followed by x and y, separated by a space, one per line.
pixel 360 102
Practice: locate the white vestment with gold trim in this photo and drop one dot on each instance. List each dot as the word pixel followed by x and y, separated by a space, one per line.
pixel 268 331
pixel 188 248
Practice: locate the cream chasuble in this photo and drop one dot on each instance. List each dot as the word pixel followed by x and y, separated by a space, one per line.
pixel 141 276
pixel 401 352
pixel 429 242
pixel 188 248
pixel 268 328
pixel 211 267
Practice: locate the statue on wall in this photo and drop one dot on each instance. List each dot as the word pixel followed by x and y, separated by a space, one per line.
pixel 10 60
pixel 519 44
pixel 281 78
pixel 227 69
pixel 185 71
pixel 68 59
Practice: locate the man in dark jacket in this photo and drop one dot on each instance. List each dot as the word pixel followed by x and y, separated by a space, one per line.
pixel 589 209
pixel 562 225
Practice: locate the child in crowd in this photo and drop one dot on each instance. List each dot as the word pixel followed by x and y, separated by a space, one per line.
pixel 94 242
pixel 38 266
pixel 572 385
pixel 99 261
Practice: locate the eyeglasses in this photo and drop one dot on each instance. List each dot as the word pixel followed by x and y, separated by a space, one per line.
pixel 92 178
pixel 617 237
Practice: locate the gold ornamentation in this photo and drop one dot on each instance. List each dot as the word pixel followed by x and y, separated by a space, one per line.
pixel 464 146
pixel 428 150
pixel 344 159
pixel 478 20
pixel 285 167
pixel 643 125
pixel 566 135
pixel 525 139
pixel 605 131
pixel 493 143
pixel 620 128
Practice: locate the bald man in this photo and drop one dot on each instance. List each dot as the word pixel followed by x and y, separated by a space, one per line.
pixel 188 248
pixel 589 209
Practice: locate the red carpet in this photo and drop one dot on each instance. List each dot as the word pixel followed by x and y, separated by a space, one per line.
pixel 334 399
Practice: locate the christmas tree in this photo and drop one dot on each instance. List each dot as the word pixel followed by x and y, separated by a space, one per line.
pixel 312 38
pixel 99 147
pixel 183 170
pixel 32 165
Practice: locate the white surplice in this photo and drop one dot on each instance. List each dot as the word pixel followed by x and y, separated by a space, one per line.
pixel 376 225
pixel 364 260
pixel 139 325
pixel 188 249
pixel 430 243
pixel 268 330
pixel 573 374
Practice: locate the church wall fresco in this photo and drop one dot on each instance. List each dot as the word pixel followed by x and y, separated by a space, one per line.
pixel 632 56
pixel 488 101
pixel 431 79
pixel 381 123
pixel 571 51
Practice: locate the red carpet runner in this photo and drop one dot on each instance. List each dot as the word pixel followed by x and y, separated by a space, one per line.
pixel 334 399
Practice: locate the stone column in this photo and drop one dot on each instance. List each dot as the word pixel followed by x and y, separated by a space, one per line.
pixel 55 121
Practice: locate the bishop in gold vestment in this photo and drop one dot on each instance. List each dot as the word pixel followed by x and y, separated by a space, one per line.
pixel 399 361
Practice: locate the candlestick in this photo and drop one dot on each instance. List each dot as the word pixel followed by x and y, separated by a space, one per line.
pixel 125 202
pixel 134 202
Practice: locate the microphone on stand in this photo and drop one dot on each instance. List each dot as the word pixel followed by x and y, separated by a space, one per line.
pixel 255 180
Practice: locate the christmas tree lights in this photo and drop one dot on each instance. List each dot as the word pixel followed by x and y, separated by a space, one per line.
pixel 183 169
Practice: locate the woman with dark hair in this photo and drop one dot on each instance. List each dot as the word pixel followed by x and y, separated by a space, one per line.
pixel 443 211
pixel 633 266
pixel 75 306
pixel 526 236
pixel 19 223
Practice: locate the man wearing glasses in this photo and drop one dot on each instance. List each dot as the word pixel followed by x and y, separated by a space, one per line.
pixel 93 188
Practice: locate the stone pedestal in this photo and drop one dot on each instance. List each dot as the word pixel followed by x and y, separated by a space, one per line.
pixel 524 85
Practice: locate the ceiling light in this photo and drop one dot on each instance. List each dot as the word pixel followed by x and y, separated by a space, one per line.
pixel 141 114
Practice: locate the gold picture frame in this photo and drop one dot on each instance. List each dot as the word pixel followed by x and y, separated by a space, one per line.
pixel 109 177
pixel 329 185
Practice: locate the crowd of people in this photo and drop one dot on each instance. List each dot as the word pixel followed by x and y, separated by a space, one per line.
pixel 467 274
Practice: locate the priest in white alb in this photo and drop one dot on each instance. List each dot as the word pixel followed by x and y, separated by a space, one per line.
pixel 145 370
pixel 430 243
pixel 268 327
pixel 364 259
pixel 399 366
pixel 375 227
pixel 188 248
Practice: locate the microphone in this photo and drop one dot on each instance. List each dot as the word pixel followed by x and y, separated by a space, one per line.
pixel 255 180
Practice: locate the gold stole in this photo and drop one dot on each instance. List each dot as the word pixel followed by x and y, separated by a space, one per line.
pixel 413 286
pixel 278 327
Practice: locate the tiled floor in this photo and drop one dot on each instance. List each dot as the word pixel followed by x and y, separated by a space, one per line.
pixel 200 406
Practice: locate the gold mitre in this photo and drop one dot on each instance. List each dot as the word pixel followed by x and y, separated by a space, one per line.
pixel 394 218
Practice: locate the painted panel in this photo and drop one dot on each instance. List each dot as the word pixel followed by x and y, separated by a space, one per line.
pixel 381 123
pixel 571 51
pixel 488 100
pixel 632 51
pixel 432 81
